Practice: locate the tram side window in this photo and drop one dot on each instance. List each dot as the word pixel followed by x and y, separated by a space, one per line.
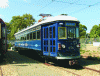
pixel 28 36
pixel 31 36
pixel 38 34
pixel 62 32
pixel 25 37
pixel 34 35
pixel 46 32
pixel 50 32
pixel 22 37
pixel 53 32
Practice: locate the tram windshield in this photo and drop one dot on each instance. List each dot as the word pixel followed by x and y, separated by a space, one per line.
pixel 68 32
pixel 62 33
pixel 71 32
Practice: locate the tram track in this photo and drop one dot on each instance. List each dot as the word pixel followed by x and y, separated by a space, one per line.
pixel 63 69
pixel 83 67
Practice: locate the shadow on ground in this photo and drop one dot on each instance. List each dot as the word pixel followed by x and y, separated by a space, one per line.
pixel 13 57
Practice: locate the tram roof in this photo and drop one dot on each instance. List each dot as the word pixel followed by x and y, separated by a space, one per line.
pixel 51 19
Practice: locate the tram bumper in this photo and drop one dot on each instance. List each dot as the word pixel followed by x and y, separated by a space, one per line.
pixel 69 57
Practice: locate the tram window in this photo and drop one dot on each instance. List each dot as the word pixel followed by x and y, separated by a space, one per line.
pixel 47 49
pixel 21 38
pixel 53 42
pixel 53 32
pixel 71 32
pixel 50 42
pixel 27 36
pixel 31 36
pixel 34 35
pixel 46 32
pixel 50 32
pixel 62 32
pixel 38 34
pixel 53 49
pixel 50 49
pixel 44 42
pixel 77 32
pixel 44 48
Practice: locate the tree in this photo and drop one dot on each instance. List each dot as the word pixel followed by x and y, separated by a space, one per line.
pixel 19 22
pixel 95 32
pixel 82 31
pixel 8 30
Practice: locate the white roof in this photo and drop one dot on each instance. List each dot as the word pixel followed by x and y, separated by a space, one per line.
pixel 51 19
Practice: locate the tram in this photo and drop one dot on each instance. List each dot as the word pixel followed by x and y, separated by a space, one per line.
pixel 54 37
pixel 3 38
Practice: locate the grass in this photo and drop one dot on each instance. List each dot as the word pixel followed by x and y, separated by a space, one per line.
pixel 88 51
pixel 82 51
pixel 90 54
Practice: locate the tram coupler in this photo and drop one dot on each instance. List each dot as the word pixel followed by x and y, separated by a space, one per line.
pixel 73 62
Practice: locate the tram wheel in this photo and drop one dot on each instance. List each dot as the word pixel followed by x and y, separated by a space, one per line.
pixel 46 60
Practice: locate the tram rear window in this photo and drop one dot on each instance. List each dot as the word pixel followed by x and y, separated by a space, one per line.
pixel 62 32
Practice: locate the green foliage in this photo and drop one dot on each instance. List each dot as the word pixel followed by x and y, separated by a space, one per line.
pixel 95 31
pixel 82 51
pixel 82 31
pixel 9 45
pixel 19 22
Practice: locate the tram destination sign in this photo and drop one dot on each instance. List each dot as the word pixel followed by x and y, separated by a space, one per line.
pixel 70 24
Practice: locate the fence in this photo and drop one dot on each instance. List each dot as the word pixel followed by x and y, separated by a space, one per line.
pixel 92 44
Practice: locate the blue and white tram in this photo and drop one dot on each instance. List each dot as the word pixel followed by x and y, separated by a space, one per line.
pixel 56 37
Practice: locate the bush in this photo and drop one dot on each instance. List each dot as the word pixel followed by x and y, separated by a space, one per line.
pixel 9 45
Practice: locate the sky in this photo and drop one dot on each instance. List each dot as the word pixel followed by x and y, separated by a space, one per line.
pixel 86 11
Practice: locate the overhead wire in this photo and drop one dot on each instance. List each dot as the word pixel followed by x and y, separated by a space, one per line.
pixel 44 7
pixel 87 6
pixel 71 3
pixel 84 8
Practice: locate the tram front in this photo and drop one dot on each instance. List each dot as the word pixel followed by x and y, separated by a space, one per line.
pixel 68 40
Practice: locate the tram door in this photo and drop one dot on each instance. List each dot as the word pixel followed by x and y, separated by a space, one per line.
pixel 49 40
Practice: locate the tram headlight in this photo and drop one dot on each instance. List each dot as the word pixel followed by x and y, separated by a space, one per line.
pixel 78 45
pixel 63 46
